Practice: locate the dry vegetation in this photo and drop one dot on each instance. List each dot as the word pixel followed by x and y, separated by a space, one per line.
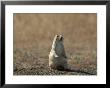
pixel 33 35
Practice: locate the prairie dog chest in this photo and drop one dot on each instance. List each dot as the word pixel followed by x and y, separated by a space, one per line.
pixel 59 48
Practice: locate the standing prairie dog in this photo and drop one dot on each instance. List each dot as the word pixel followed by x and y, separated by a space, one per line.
pixel 57 56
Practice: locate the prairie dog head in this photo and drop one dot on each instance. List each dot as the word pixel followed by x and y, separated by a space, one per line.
pixel 57 39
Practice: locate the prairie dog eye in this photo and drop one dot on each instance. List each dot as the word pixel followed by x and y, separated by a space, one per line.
pixel 56 37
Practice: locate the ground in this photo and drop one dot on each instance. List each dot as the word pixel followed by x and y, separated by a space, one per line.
pixel 33 36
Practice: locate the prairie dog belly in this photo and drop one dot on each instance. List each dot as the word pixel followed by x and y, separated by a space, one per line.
pixel 54 59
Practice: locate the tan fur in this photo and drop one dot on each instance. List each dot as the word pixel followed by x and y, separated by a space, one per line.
pixel 57 56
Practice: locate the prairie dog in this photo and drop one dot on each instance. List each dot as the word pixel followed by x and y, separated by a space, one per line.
pixel 57 56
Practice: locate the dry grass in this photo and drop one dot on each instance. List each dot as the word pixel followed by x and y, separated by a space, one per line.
pixel 33 35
